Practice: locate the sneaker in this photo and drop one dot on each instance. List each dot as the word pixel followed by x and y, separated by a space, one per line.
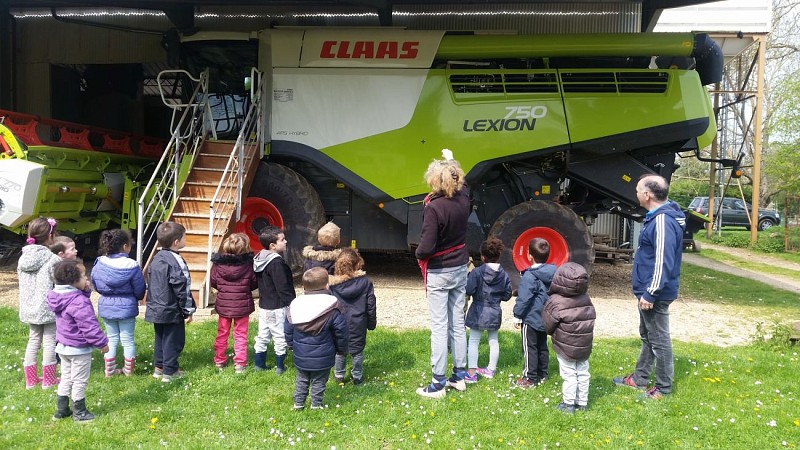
pixel 220 366
pixel 317 407
pixel 581 407
pixel 239 369
pixel 485 373
pixel 358 381
pixel 338 380
pixel 298 406
pixel 433 390
pixel 628 381
pixel 524 383
pixel 456 382
pixel 168 378
pixel 563 407
pixel 158 372
pixel 653 394
pixel 470 379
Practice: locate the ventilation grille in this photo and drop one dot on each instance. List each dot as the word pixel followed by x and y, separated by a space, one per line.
pixel 638 82
pixel 498 85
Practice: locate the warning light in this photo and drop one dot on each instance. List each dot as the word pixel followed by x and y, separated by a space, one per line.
pixel 736 171
pixel 380 205
pixel 536 193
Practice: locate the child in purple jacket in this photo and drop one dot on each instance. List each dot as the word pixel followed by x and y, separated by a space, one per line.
pixel 77 333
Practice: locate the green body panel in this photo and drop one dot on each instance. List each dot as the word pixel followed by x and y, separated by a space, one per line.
pixel 73 186
pixel 566 45
pixel 395 161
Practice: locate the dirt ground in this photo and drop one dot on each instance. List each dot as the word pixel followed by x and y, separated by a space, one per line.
pixel 401 303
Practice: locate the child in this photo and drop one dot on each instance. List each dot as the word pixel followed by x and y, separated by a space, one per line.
pixel 569 317
pixel 169 301
pixel 357 295
pixel 316 329
pixel 325 253
pixel 276 292
pixel 64 247
pixel 121 285
pixel 35 272
pixel 233 277
pixel 488 285
pixel 78 332
pixel 531 297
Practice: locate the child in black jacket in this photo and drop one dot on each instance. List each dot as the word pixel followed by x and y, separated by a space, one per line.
pixel 276 292
pixel 316 330
pixel 357 294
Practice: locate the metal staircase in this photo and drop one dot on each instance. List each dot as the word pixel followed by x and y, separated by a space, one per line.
pixel 200 181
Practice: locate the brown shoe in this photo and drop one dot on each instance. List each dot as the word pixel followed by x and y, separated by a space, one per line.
pixel 524 383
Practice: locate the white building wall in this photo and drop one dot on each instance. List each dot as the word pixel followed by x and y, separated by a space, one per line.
pixel 747 16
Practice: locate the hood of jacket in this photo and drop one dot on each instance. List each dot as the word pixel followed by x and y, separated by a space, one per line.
pixel 321 253
pixel 348 290
pixel 115 270
pixel 307 307
pixel 669 208
pixel 493 278
pixel 570 280
pixel 263 258
pixel 33 257
pixel 233 267
pixel 61 296
pixel 543 272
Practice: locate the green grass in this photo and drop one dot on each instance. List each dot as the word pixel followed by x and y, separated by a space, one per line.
pixel 725 289
pixel 741 239
pixel 745 263
pixel 741 397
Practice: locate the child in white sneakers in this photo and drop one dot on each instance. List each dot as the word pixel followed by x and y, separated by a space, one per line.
pixel 488 285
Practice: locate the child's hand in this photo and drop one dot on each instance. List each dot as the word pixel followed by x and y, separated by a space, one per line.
pixel 517 323
pixel 104 349
pixel 188 319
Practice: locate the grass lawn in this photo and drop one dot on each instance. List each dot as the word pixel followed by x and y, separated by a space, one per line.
pixel 737 398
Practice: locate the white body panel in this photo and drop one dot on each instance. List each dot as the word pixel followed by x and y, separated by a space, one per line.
pixel 19 187
pixel 747 16
pixel 316 107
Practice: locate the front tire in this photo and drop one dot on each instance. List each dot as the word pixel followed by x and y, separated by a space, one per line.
pixel 281 197
pixel 765 224
pixel 567 234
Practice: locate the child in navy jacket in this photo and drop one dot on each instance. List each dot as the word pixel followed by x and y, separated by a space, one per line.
pixel 316 330
pixel 531 298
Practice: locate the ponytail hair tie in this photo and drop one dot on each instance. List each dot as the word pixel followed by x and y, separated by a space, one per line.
pixel 30 240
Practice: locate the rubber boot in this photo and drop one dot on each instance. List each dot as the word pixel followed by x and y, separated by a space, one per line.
pixel 31 376
pixel 81 413
pixel 279 364
pixel 111 367
pixel 260 360
pixel 49 378
pixel 62 407
pixel 127 370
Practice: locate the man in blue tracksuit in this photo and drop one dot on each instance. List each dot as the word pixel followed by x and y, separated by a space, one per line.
pixel 655 280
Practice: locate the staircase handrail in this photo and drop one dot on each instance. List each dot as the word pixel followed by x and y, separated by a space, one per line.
pixel 188 136
pixel 228 195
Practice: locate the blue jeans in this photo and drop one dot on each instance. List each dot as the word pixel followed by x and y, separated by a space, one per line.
pixel 446 292
pixel 656 347
pixel 316 380
pixel 120 330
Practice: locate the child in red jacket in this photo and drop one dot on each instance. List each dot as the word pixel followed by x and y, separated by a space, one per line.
pixel 233 277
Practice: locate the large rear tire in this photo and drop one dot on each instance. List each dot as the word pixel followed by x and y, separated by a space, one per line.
pixel 281 197
pixel 567 234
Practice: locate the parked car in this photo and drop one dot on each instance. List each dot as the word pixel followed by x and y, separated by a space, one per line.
pixel 734 212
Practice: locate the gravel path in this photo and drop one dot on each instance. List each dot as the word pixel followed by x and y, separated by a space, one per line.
pixel 402 305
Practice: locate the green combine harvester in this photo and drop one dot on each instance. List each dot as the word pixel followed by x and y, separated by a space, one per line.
pixel 551 130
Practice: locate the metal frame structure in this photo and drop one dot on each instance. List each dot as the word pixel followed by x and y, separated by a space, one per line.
pixel 738 102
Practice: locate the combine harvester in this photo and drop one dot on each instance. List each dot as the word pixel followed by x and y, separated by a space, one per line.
pixel 551 131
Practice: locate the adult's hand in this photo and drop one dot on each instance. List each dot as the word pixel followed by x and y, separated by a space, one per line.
pixel 645 305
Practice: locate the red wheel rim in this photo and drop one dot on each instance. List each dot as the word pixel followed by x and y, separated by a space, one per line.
pixel 256 214
pixel 559 251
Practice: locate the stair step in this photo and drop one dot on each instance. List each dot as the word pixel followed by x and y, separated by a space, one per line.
pixel 197 215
